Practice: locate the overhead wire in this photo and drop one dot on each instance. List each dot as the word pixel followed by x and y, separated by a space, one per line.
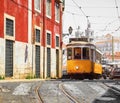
pixel 81 8
pixel 69 12
pixel 117 14
pixel 117 9
pixel 24 6
pixel 74 20
pixel 110 24
pixel 82 12
pixel 91 6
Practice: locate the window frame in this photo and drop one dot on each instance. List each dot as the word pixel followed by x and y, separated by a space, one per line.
pixel 36 9
pixel 86 53
pixel 38 42
pixel 77 50
pixel 49 9
pixel 69 57
pixel 6 16
pixel 48 32
pixel 57 36
pixel 57 12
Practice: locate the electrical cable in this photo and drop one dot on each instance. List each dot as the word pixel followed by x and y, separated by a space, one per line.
pixel 96 16
pixel 69 12
pixel 91 6
pixel 117 14
pixel 22 6
pixel 79 8
pixel 117 9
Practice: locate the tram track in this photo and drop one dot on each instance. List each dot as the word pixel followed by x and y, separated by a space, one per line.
pixel 72 98
pixel 61 87
pixel 112 88
pixel 61 92
pixel 40 100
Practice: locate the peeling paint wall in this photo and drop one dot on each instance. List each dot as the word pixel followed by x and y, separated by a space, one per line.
pixel 2 57
pixel 53 63
pixel 22 59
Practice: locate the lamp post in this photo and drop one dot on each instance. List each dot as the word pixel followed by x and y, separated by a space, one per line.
pixel 70 29
pixel 112 49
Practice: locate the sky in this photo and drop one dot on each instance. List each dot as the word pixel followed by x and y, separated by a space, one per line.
pixel 103 15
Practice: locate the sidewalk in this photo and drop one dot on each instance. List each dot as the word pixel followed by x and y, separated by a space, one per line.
pixel 20 80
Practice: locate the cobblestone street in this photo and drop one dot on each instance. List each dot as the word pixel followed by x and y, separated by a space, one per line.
pixel 50 91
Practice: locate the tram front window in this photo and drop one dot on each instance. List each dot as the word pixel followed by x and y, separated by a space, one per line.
pixel 69 54
pixel 92 55
pixel 85 53
pixel 77 53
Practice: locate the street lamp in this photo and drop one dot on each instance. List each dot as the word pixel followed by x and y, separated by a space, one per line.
pixel 112 49
pixel 70 29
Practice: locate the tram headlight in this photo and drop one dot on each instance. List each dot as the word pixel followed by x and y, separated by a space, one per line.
pixel 76 67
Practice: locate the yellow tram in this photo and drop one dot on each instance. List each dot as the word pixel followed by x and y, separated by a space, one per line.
pixel 83 59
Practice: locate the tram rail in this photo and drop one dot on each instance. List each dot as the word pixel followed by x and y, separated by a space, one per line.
pixel 40 100
pixel 68 95
pixel 72 98
pixel 112 88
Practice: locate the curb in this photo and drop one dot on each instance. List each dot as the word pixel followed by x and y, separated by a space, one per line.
pixel 21 80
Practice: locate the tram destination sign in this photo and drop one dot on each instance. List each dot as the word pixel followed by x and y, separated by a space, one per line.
pixel 79 39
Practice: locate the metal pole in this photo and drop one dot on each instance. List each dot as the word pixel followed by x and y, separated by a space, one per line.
pixel 112 49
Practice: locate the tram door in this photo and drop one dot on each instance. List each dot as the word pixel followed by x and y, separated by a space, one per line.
pixel 57 63
pixel 48 62
pixel 37 62
pixel 9 59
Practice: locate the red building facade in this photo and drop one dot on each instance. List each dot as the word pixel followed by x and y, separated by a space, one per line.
pixel 30 38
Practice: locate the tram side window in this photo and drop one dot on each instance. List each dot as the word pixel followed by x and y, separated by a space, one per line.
pixel 98 57
pixel 85 53
pixel 69 53
pixel 77 53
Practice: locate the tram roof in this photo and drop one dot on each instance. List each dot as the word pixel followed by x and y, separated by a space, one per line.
pixel 79 42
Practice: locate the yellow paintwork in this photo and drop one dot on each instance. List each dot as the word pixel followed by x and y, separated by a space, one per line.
pixel 97 68
pixel 83 66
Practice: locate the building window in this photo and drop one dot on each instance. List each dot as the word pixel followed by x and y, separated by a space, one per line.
pixel 48 8
pixel 37 35
pixel 57 41
pixel 9 27
pixel 37 5
pixel 48 39
pixel 57 12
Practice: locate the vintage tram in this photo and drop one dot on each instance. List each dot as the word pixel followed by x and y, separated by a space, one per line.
pixel 83 59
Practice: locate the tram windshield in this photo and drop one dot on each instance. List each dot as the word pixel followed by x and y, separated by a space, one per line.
pixel 93 55
pixel 80 53
pixel 77 53
pixel 85 53
pixel 69 53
